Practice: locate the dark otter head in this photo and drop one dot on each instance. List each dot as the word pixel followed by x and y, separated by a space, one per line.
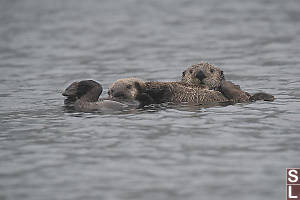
pixel 126 89
pixel 87 88
pixel 203 74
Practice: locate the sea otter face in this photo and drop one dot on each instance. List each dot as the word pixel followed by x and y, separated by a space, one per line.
pixel 126 89
pixel 203 74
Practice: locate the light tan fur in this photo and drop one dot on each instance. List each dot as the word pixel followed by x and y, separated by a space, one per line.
pixel 208 75
pixel 213 76
pixel 127 88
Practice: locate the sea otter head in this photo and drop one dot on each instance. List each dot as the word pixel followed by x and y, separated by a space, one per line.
pixel 203 74
pixel 126 89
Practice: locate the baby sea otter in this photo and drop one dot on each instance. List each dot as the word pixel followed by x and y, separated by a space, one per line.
pixel 130 90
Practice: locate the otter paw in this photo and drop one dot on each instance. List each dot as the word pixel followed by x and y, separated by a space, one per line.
pixel 233 92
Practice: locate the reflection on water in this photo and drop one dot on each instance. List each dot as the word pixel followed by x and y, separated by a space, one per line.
pixel 163 152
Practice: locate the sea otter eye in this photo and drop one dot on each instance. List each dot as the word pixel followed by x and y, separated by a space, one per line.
pixel 212 70
pixel 129 86
pixel 191 71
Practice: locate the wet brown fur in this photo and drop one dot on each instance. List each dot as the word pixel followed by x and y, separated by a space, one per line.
pixel 162 92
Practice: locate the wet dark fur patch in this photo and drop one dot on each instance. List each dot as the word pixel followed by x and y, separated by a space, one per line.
pixel 85 86
pixel 262 96
pixel 158 92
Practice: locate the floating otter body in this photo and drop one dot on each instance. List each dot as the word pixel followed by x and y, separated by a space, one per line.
pixel 208 75
pixel 162 92
pixel 178 92
pixel 201 84
pixel 195 88
pixel 84 96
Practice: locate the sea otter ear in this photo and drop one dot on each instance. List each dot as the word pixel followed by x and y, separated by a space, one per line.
pixel 183 73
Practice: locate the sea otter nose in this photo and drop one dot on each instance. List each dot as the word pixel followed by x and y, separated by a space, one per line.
pixel 200 75
pixel 110 92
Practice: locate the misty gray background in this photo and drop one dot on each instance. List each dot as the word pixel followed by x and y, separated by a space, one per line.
pixel 171 152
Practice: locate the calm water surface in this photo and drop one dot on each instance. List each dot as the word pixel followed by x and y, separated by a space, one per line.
pixel 233 152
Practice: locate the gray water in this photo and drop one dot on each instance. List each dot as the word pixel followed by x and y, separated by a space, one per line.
pixel 233 152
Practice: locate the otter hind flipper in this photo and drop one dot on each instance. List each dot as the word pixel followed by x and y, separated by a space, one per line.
pixel 262 96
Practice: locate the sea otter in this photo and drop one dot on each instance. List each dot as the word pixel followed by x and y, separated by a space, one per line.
pixel 207 75
pixel 195 88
